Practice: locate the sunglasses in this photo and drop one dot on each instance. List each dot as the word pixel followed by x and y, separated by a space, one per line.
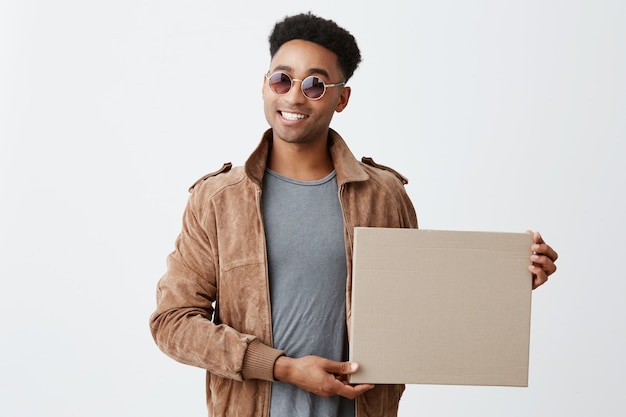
pixel 312 87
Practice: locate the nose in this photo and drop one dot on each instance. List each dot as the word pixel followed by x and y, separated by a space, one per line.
pixel 295 94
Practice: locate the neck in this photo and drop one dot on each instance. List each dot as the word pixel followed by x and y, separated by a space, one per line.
pixel 300 161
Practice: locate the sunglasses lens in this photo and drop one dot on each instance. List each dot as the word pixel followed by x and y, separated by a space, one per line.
pixel 279 82
pixel 313 87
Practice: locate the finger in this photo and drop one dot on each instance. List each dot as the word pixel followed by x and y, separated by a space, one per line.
pixel 544 262
pixel 540 246
pixel 342 378
pixel 353 391
pixel 544 249
pixel 337 386
pixel 342 368
pixel 539 275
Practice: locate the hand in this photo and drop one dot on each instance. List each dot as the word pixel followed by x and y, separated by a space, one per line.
pixel 320 376
pixel 543 259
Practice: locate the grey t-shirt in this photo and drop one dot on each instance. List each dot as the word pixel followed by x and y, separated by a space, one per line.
pixel 307 272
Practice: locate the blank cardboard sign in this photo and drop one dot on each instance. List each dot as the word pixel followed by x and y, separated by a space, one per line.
pixel 440 307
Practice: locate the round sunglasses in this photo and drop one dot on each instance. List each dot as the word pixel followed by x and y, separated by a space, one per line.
pixel 312 87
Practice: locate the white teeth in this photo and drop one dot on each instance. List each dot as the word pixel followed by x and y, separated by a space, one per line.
pixel 293 116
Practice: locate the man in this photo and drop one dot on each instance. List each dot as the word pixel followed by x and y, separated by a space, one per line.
pixel 257 291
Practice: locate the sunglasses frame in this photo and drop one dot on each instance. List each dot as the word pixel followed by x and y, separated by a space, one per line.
pixel 269 76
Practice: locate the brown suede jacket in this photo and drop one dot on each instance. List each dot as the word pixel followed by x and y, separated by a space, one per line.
pixel 213 304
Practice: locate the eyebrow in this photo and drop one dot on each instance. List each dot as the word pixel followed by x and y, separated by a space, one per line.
pixel 311 71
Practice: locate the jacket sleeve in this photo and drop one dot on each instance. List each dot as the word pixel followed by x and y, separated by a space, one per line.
pixel 407 218
pixel 393 184
pixel 182 325
pixel 407 211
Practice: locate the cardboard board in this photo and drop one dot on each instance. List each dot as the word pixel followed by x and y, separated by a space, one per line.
pixel 440 307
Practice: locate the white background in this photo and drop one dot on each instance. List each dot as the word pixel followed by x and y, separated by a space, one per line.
pixel 505 116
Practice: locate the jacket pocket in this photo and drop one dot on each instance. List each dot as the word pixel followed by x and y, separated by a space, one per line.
pixel 243 300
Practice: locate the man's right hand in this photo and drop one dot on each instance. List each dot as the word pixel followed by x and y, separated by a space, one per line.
pixel 320 376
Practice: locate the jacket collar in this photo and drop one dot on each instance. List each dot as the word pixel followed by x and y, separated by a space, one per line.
pixel 347 167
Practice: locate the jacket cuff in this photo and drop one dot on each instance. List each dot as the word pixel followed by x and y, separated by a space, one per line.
pixel 258 363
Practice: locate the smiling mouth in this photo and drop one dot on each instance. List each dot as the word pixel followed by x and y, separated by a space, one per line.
pixel 292 116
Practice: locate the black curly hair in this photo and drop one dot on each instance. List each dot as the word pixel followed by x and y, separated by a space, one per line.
pixel 308 27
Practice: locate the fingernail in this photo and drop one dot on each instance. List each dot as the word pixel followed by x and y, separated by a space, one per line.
pixel 353 367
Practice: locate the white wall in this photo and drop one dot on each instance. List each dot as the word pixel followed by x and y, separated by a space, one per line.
pixel 506 116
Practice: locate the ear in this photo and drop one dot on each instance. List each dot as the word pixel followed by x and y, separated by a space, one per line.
pixel 343 99
pixel 263 85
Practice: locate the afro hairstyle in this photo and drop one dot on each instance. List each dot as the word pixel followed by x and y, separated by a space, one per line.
pixel 327 33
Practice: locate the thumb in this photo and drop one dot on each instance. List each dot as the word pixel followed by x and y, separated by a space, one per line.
pixel 347 368
pixel 342 368
pixel 537 239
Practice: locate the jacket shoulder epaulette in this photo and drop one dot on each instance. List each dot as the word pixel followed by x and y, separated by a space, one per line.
pixel 225 168
pixel 369 161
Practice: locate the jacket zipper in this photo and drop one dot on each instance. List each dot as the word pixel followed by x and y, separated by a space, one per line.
pixel 348 239
pixel 259 204
pixel 345 220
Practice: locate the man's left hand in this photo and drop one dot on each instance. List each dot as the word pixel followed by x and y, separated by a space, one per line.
pixel 543 259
